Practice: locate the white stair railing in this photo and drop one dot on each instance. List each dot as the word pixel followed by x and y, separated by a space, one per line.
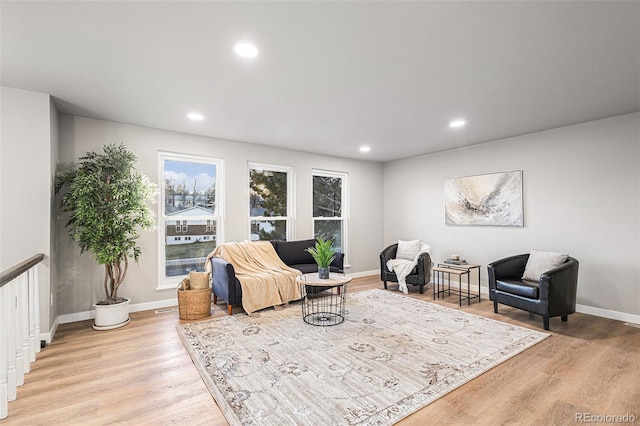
pixel 19 327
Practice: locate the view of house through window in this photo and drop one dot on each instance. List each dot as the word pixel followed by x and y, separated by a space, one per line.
pixel 190 212
pixel 269 203
pixel 329 207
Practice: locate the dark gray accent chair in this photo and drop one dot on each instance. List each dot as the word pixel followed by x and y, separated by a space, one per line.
pixel 553 295
pixel 420 275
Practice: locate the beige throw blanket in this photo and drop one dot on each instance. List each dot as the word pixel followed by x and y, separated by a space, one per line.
pixel 265 279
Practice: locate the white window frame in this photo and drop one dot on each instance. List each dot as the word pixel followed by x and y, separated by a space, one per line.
pixel 170 283
pixel 290 218
pixel 344 210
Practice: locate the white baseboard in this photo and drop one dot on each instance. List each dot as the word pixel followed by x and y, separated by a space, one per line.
pixel 48 336
pixel 159 304
pixel 364 273
pixel 606 313
pixel 137 307
pixel 632 319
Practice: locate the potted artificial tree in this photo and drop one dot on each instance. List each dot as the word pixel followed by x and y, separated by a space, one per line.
pixel 323 254
pixel 106 199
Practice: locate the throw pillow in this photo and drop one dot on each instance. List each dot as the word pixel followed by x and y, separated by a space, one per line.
pixel 198 280
pixel 408 249
pixel 540 262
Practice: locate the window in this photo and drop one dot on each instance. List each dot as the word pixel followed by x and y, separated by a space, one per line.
pixel 330 210
pixel 191 213
pixel 270 202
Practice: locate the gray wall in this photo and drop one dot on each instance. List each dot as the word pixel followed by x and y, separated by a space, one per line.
pixel 80 279
pixel 581 196
pixel 27 140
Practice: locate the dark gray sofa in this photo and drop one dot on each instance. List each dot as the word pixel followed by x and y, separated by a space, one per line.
pixel 226 286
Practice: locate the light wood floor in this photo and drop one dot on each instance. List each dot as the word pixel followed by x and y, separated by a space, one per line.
pixel 141 374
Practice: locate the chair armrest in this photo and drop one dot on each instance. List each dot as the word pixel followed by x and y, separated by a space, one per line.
pixel 559 285
pixel 424 267
pixel 385 255
pixel 511 267
pixel 389 253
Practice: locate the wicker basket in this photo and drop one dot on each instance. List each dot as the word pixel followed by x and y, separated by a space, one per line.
pixel 194 304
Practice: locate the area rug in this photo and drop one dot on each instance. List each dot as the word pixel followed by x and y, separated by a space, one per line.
pixel 390 357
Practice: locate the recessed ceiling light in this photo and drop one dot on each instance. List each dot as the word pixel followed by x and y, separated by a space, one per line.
pixel 365 148
pixel 195 116
pixel 457 123
pixel 246 50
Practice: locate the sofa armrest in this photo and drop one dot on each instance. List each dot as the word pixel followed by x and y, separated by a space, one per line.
pixel 338 262
pixel 224 283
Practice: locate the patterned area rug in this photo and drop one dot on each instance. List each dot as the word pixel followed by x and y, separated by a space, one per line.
pixel 392 356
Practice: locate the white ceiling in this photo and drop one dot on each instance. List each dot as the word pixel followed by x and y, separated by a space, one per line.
pixel 331 75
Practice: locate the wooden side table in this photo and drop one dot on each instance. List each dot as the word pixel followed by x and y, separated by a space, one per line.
pixel 460 270
pixel 323 300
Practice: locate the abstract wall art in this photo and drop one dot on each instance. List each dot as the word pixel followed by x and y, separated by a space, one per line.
pixel 493 199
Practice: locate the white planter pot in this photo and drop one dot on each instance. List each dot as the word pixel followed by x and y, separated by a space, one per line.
pixel 111 316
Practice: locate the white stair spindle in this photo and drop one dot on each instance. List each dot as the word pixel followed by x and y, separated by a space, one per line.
pixel 18 330
pixel 36 310
pixel 10 308
pixel 32 307
pixel 4 359
pixel 24 331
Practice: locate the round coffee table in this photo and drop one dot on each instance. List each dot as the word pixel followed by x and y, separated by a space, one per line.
pixel 323 300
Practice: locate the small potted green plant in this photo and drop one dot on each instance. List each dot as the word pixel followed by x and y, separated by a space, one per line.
pixel 106 199
pixel 323 254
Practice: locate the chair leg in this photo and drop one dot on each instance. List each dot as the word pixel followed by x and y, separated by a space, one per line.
pixel 230 308
pixel 215 299
pixel 495 306
pixel 421 288
pixel 564 318
pixel 545 322
pixel 385 285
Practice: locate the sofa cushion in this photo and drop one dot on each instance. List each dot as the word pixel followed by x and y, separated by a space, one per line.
pixel 522 288
pixel 294 252
pixel 305 268
pixel 540 262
